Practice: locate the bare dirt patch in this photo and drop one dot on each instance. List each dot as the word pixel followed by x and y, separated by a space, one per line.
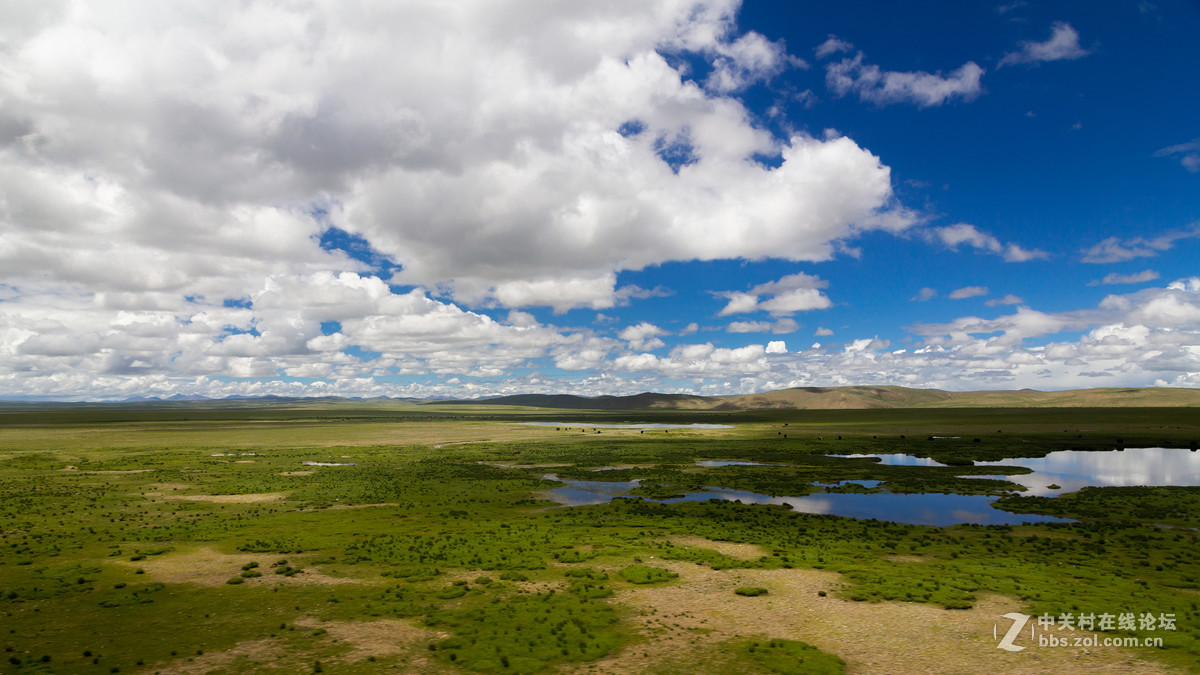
pixel 296 473
pixel 900 558
pixel 209 567
pixel 729 548
pixel 224 499
pixel 382 638
pixel 687 622
pixel 514 465
pixel 343 507
pixel 243 657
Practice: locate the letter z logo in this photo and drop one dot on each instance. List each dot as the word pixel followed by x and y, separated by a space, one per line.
pixel 1019 620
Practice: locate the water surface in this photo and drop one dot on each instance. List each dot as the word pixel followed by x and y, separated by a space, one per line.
pixel 627 425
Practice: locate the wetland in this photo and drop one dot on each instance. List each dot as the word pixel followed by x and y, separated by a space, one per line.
pixel 182 538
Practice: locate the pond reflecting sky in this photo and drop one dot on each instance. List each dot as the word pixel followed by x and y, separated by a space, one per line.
pixel 1071 470
pixel 917 509
pixel 627 425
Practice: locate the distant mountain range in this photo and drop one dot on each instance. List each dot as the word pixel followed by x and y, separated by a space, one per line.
pixel 860 397
pixel 799 398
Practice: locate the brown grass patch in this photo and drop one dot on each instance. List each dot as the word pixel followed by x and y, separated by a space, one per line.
pixel 514 465
pixel 296 473
pixel 729 548
pixel 383 638
pixel 224 499
pixel 901 558
pixel 688 622
pixel 343 507
pixel 209 567
pixel 243 657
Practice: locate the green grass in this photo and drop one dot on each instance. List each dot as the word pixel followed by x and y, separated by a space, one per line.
pixel 452 545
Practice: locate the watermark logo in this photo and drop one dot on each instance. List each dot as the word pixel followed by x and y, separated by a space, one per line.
pixel 1062 630
pixel 1018 622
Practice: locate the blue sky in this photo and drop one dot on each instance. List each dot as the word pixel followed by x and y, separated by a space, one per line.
pixel 405 199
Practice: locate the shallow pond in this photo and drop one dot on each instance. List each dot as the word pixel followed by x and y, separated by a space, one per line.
pixel 1070 470
pixel 916 509
pixel 1073 470
pixel 627 425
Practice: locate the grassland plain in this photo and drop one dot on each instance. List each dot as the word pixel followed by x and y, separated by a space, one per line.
pixel 356 538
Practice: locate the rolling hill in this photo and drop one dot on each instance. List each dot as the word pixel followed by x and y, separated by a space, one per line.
pixel 862 397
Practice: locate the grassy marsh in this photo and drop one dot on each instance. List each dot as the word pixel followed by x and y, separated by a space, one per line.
pixel 429 545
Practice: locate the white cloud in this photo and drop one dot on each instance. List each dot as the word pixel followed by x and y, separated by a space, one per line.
pixel 793 293
pixel 1009 299
pixel 643 336
pixel 749 59
pixel 925 294
pixel 968 292
pixel 961 234
pixel 874 85
pixel 822 332
pixel 784 325
pixel 1114 249
pixel 1063 44
pixel 1189 154
pixel 195 150
pixel 776 347
pixel 739 303
pixel 1114 278
pixel 832 45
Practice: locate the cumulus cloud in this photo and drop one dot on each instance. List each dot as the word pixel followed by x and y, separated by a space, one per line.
pixel 776 347
pixel 208 141
pixel 1063 44
pixel 965 234
pixel 1140 339
pixel 1115 249
pixel 925 294
pixel 748 59
pixel 1188 153
pixel 1114 278
pixel 822 332
pixel 643 336
pixel 798 292
pixel 874 85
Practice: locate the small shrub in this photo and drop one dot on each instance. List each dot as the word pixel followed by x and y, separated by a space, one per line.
pixel 751 591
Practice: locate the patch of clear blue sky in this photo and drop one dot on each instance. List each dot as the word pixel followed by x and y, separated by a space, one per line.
pixel 1054 156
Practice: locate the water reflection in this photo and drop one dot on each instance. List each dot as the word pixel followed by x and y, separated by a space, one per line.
pixel 1068 470
pixel 1074 470
pixel 897 459
pixel 710 463
pixel 627 425
pixel 915 509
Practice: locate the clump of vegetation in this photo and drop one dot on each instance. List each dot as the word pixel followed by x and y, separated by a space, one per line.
pixel 751 591
pixel 527 633
pixel 644 574
pixel 793 657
